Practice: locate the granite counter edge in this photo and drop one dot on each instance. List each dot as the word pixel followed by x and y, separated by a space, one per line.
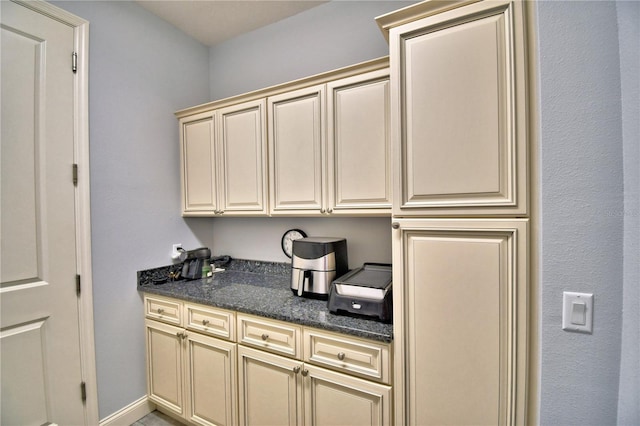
pixel 357 332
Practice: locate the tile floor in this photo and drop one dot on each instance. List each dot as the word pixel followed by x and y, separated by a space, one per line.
pixel 156 418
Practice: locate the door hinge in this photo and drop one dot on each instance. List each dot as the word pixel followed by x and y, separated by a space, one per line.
pixel 75 175
pixel 74 62
pixel 78 284
pixel 83 391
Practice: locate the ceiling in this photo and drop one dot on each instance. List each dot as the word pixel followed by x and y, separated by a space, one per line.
pixel 214 21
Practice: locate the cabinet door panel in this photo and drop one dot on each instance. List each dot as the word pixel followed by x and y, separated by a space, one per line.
pixel 198 159
pixel 211 380
pixel 164 365
pixel 296 128
pixel 359 142
pixel 243 158
pixel 462 135
pixel 337 399
pixel 464 305
pixel 270 392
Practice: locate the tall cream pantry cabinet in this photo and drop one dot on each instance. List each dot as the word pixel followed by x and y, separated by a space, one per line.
pixel 460 143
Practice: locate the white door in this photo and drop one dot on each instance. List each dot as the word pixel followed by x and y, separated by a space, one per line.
pixel 39 327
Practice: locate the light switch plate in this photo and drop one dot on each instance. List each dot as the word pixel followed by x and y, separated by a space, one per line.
pixel 577 312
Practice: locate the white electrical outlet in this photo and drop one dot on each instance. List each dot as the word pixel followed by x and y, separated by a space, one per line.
pixel 175 253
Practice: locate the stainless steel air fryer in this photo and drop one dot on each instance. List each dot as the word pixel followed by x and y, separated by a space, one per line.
pixel 316 262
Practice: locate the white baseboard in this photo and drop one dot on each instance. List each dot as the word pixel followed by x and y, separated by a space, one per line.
pixel 129 414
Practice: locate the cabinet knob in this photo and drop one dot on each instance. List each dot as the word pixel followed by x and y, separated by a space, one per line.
pixel 160 311
pixel 305 373
pixel 296 370
pixel 395 225
pixel 205 322
pixel 341 356
pixel 323 211
pixel 330 211
pixel 265 336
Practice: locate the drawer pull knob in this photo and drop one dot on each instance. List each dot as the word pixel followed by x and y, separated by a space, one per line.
pixel 341 356
pixel 395 225
pixel 296 370
pixel 305 373
pixel 160 311
pixel 265 336
pixel 205 322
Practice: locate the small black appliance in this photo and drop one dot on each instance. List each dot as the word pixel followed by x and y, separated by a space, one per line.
pixel 364 291
pixel 194 261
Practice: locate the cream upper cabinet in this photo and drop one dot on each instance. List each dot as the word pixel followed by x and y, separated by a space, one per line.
pixel 198 157
pixel 358 144
pixel 297 160
pixel 334 165
pixel 224 161
pixel 459 112
pixel 243 159
pixel 311 147
pixel 462 334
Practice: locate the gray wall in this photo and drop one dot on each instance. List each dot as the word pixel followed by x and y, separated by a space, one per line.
pixel 327 37
pixel 582 205
pixel 629 394
pixel 141 71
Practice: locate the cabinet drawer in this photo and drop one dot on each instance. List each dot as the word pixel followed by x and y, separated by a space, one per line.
pixel 355 356
pixel 271 335
pixel 164 310
pixel 212 321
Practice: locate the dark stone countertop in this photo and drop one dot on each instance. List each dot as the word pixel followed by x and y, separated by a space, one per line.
pixel 261 288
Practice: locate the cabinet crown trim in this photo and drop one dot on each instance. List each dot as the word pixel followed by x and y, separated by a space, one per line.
pixel 372 65
pixel 417 11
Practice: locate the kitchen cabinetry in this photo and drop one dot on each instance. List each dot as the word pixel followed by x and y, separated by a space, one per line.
pixel 300 392
pixel 243 159
pixel 343 170
pixel 224 161
pixel 464 304
pixel 190 373
pixel 277 373
pixel 459 114
pixel 358 144
pixel 296 138
pixel 459 111
pixel 197 159
pixel 328 148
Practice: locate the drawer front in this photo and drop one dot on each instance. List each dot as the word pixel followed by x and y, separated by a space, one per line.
pixel 354 356
pixel 164 310
pixel 211 321
pixel 270 335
